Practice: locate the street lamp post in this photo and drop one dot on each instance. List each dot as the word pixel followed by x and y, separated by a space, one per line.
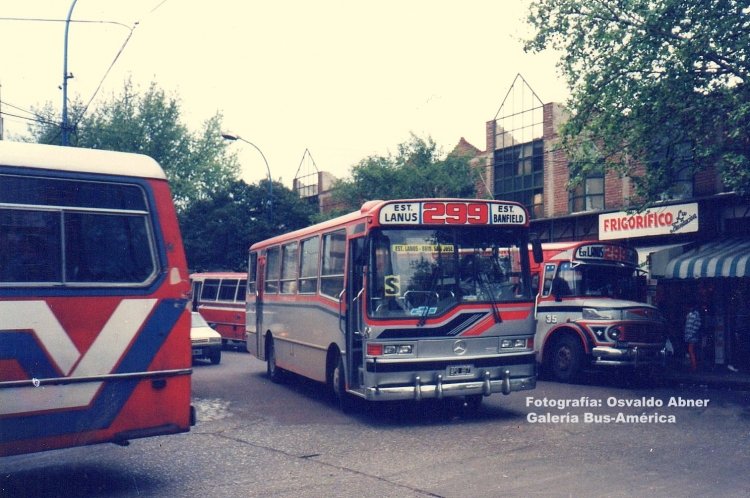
pixel 66 76
pixel 231 137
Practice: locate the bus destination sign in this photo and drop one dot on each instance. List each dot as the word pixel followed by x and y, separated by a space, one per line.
pixel 452 213
pixel 607 253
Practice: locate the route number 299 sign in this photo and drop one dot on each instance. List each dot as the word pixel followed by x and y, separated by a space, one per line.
pixel 453 213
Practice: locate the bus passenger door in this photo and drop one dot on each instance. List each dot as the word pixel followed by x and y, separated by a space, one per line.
pixel 260 284
pixel 354 309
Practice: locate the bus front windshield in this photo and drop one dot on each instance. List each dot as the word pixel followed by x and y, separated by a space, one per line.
pixel 589 280
pixel 424 272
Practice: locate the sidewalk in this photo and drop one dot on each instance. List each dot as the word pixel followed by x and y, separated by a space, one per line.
pixel 721 376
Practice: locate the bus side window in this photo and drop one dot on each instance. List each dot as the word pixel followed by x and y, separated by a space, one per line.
pixel 273 269
pixel 227 289
pixel 332 272
pixel 549 273
pixel 252 268
pixel 210 289
pixel 241 289
pixel 308 273
pixel 289 268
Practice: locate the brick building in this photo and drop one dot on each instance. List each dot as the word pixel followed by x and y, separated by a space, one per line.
pixel 696 242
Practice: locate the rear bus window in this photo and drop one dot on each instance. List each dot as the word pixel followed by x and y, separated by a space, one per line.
pixel 74 232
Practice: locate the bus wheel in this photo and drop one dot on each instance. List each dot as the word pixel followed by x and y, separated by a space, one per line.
pixel 566 358
pixel 338 386
pixel 273 372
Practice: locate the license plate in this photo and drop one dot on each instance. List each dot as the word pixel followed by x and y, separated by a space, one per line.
pixel 460 371
pixel 197 352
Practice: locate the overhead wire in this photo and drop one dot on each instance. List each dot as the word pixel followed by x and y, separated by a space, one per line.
pixel 131 29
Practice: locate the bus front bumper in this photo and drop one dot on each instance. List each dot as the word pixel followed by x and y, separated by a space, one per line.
pixel 438 389
pixel 634 356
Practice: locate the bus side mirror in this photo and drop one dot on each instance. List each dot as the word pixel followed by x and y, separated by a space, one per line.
pixel 536 249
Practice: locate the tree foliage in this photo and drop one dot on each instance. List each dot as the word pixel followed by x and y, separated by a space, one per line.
pixel 416 171
pixel 651 80
pixel 218 231
pixel 151 124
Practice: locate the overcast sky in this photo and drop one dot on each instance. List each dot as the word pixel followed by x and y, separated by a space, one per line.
pixel 343 79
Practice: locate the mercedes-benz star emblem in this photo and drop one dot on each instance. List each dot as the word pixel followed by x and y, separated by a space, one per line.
pixel 459 347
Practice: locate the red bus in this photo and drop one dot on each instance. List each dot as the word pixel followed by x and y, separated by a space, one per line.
pixel 591 310
pixel 220 298
pixel 94 330
pixel 401 300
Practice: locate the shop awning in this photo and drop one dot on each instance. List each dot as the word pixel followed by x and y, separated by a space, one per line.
pixel 666 251
pixel 720 258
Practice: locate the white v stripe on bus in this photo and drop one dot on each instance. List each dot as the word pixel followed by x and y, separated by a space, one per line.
pixel 37 316
pixel 100 359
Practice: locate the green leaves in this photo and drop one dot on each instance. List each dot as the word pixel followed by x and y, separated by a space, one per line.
pixel 648 77
pixel 416 171
pixel 151 123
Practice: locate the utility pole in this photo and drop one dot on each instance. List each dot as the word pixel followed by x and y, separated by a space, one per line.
pixel 65 127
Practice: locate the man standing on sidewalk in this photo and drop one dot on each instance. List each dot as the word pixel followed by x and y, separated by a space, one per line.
pixel 692 334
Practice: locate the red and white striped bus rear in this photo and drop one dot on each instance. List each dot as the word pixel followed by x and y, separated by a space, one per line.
pixel 94 330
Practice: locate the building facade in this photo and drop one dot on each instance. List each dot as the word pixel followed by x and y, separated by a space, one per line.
pixel 694 246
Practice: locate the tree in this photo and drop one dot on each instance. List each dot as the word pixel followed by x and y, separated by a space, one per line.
pixel 218 231
pixel 416 171
pixel 655 85
pixel 195 163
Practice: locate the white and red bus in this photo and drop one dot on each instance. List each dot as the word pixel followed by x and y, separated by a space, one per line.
pixel 590 310
pixel 401 300
pixel 220 298
pixel 94 330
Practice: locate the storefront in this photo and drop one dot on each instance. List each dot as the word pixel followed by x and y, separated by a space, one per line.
pixel 715 276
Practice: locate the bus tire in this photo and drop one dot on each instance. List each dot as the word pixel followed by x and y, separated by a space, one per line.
pixel 338 386
pixel 566 359
pixel 273 372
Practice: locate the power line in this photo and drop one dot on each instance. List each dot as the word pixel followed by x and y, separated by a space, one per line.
pixel 37 119
pixel 5 102
pixel 106 73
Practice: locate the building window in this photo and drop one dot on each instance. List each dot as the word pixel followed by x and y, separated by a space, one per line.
pixel 677 160
pixel 588 196
pixel 519 175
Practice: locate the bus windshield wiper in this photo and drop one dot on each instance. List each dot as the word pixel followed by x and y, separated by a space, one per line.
pixel 436 272
pixel 484 281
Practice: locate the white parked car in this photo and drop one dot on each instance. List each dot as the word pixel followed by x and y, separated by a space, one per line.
pixel 206 341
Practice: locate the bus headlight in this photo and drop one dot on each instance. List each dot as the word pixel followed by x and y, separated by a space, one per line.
pixel 517 343
pixel 375 349
pixel 614 334
pixel 595 314
pixel 398 349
